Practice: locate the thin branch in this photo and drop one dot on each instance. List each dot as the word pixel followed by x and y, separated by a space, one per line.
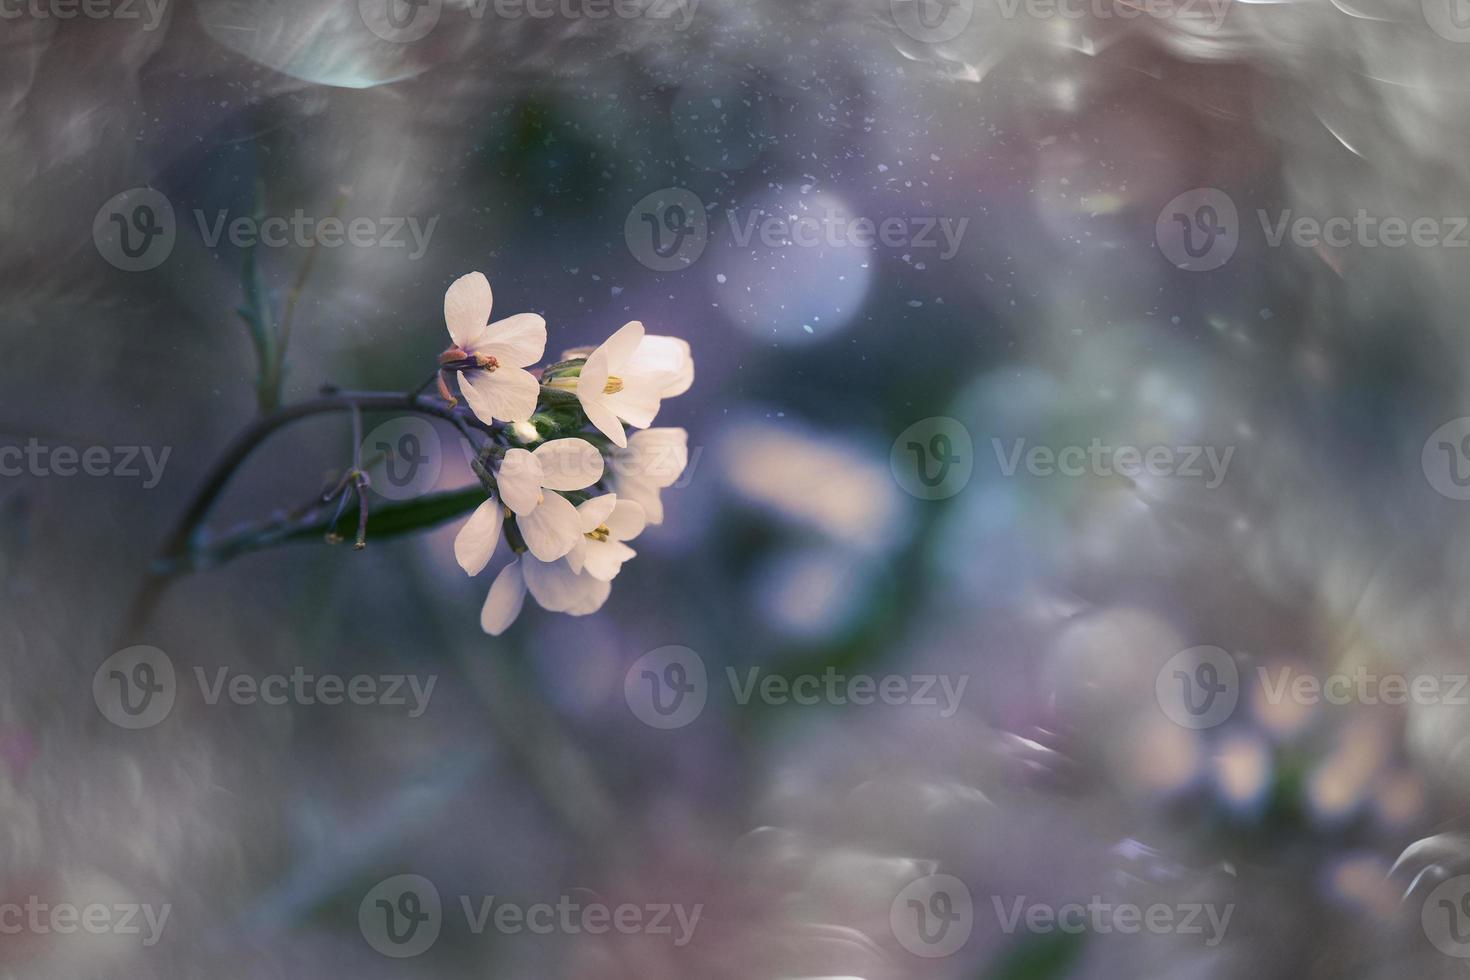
pixel 181 538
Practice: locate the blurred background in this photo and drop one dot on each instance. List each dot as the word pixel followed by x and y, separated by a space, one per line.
pixel 1093 238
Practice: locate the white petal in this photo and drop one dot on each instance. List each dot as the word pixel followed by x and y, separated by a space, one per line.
pixel 519 480
pixel 559 589
pixel 552 529
pixel 637 403
pixel 596 510
pixel 515 341
pixel 655 457
pixel 577 555
pixel 591 598
pixel 626 521
pixel 593 376
pixel 590 382
pixel 604 559
pixel 467 305
pixel 569 464
pixel 475 543
pixel 663 454
pixel 643 493
pixel 665 359
pixel 503 604
pixel 506 394
pixel 600 414
pixel 621 346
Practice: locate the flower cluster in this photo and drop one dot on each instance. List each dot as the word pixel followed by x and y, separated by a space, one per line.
pixel 566 499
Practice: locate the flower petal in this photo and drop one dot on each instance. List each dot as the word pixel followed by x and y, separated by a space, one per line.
pixel 637 403
pixel 476 541
pixel 515 341
pixel 552 529
pixel 604 559
pixel 626 521
pixel 506 394
pixel 467 305
pixel 657 455
pixel 590 382
pixel 591 598
pixel 667 360
pixel 503 604
pixel 569 464
pixel 559 589
pixel 519 480
pixel 578 555
pixel 600 414
pixel 622 345
pixel 596 511
pixel 645 494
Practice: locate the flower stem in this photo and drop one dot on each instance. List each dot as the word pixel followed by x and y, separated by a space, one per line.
pixel 181 539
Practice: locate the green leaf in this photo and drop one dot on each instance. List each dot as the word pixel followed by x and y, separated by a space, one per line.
pixel 387 520
pixel 1045 956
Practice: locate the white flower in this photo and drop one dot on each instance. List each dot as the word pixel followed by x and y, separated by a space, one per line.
pixel 475 543
pixel 496 387
pixel 553 584
pixel 548 521
pixel 652 461
pixel 577 585
pixel 606 523
pixel 625 379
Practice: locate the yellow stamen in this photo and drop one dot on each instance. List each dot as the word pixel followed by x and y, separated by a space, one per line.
pixel 599 533
pixel 613 386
